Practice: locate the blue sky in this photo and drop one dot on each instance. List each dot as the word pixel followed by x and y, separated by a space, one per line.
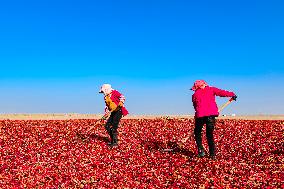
pixel 54 55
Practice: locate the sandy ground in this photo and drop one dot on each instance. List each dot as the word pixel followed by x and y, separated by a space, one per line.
pixel 96 116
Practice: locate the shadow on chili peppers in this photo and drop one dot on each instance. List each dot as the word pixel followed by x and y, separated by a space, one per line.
pixel 99 137
pixel 169 147
pixel 87 138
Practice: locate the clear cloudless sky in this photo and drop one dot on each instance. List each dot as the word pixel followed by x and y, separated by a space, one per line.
pixel 55 54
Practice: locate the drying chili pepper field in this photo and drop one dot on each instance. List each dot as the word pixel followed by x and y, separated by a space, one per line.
pixel 59 154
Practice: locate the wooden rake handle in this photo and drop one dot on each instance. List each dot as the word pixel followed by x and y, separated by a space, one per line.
pixel 92 127
pixel 97 122
pixel 226 104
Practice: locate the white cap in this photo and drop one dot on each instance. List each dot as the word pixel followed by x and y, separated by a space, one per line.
pixel 106 89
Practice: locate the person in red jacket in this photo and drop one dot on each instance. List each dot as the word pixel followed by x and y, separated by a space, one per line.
pixel 206 110
pixel 114 111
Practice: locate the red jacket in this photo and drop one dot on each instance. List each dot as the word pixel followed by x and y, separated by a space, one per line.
pixel 112 100
pixel 204 101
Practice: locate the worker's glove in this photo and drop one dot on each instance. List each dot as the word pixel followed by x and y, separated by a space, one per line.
pixel 234 97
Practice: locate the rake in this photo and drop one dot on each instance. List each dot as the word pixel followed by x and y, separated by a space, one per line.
pixel 82 136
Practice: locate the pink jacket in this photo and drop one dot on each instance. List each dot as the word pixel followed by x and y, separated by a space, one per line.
pixel 204 101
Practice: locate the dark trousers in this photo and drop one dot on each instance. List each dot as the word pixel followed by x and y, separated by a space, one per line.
pixel 112 125
pixel 210 124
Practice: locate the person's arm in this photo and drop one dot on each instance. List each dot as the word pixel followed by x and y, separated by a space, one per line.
pixel 107 113
pixel 223 93
pixel 121 100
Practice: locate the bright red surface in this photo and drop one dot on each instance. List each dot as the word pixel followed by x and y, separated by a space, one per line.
pixel 53 154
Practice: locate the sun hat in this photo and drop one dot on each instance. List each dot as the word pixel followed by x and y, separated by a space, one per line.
pixel 106 89
pixel 199 84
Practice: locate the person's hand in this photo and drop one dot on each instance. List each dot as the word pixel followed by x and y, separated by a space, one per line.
pixel 234 97
pixel 120 104
pixel 105 117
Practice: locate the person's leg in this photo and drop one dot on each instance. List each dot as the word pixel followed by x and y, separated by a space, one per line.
pixel 210 125
pixel 108 127
pixel 199 122
pixel 115 123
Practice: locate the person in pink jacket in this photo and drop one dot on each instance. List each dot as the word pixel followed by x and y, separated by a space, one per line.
pixel 114 111
pixel 206 110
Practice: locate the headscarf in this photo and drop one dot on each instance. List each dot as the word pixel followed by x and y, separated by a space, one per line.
pixel 199 84
pixel 106 89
